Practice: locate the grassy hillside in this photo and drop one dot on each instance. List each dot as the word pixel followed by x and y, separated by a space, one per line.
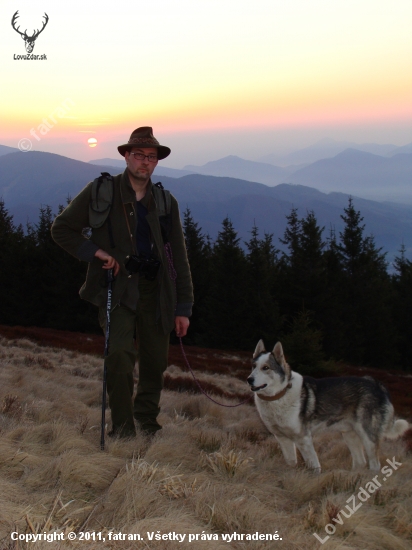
pixel 212 471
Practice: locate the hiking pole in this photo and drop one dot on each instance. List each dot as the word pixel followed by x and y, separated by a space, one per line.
pixel 106 353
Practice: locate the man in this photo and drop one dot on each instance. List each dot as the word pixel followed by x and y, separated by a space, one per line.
pixel 127 236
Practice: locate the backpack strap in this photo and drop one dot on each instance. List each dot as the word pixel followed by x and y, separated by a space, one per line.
pixel 102 200
pixel 163 200
pixel 101 203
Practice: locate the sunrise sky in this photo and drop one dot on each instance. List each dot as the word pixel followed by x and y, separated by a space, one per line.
pixel 213 77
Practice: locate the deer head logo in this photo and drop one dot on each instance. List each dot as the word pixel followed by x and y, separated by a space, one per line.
pixel 28 40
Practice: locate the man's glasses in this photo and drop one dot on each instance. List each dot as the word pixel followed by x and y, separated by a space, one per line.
pixel 141 156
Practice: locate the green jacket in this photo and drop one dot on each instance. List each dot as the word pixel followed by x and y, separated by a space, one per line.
pixel 68 229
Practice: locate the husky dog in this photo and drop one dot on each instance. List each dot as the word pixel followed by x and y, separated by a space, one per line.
pixel 292 407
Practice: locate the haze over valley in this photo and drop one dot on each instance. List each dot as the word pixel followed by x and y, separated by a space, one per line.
pixel 248 192
pixel 373 171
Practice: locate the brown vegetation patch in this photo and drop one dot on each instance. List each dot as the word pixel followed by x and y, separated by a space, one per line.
pixel 186 384
pixel 10 404
pixel 204 359
pixel 39 361
pixel 212 470
pixel 83 343
pixel 236 364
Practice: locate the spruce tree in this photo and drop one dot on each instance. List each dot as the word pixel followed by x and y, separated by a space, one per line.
pixel 12 255
pixel 304 276
pixel 261 289
pixel 402 306
pixel 366 294
pixel 42 299
pixel 226 310
pixel 48 283
pixel 198 252
pixel 292 236
pixel 302 344
pixel 333 325
pixel 7 227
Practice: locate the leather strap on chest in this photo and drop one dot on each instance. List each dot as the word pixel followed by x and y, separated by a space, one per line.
pixel 128 228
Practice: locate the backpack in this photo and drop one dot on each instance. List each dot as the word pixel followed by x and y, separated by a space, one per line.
pixel 102 199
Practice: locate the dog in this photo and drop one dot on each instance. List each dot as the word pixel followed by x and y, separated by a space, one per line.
pixel 293 406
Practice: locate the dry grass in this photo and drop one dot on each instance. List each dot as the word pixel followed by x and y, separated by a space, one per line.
pixel 212 470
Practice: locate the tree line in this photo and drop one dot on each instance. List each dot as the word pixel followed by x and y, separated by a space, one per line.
pixel 325 297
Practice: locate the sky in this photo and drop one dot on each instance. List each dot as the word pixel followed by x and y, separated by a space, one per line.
pixel 213 78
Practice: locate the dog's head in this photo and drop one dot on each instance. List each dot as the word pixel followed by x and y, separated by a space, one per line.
pixel 270 370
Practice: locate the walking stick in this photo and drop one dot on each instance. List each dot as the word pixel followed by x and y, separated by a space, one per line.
pixel 106 353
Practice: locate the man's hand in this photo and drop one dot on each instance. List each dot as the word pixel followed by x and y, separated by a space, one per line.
pixel 109 261
pixel 181 326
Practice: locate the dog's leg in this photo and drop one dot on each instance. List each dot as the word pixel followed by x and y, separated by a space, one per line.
pixel 371 449
pixel 305 446
pixel 354 442
pixel 288 450
pixel 372 452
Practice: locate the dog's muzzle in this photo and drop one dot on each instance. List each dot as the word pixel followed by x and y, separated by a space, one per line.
pixel 250 381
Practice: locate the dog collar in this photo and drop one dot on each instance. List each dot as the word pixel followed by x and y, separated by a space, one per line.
pixel 275 397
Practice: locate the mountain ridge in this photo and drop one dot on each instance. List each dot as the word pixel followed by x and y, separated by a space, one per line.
pixel 326 148
pixel 33 179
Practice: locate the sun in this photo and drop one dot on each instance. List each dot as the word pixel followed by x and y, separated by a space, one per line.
pixel 92 142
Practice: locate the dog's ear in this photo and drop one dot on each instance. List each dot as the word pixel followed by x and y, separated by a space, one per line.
pixel 280 358
pixel 278 353
pixel 260 348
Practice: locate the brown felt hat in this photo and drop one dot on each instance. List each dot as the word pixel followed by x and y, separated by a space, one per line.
pixel 143 137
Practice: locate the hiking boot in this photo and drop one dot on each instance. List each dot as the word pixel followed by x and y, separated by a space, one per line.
pixel 148 426
pixel 121 433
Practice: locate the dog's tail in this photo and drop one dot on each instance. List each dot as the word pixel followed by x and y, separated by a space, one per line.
pixel 398 428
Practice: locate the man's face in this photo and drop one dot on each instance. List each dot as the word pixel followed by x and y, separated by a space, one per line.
pixel 141 169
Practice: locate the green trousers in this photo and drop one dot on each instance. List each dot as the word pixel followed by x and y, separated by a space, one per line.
pixel 135 335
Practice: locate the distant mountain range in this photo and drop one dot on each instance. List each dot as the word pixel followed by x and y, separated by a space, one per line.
pixel 327 148
pixel 236 167
pixel 364 174
pixel 372 171
pixel 4 150
pixel 33 178
pixel 352 171
pixel 159 170
pixel 29 180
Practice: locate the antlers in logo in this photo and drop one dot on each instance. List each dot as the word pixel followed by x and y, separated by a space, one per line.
pixel 28 40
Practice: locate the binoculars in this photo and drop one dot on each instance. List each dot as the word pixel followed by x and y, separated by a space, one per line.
pixel 147 267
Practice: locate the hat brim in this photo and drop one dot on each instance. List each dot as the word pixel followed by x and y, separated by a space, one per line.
pixel 162 151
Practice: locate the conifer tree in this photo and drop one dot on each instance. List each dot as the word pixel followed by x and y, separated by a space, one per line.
pixel 288 264
pixel 334 300
pixel 45 291
pixel 226 310
pixel 366 294
pixel 312 259
pixel 292 236
pixel 7 227
pixel 303 344
pixel 402 306
pixel 11 257
pixel 261 288
pixel 42 299
pixel 358 253
pixel 198 252
pixel 304 275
